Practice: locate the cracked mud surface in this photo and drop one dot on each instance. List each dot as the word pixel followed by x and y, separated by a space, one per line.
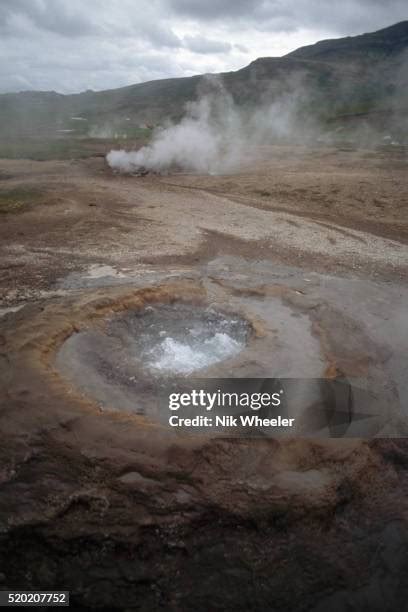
pixel 314 252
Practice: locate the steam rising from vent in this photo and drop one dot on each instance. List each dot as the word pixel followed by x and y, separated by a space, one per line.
pixel 214 136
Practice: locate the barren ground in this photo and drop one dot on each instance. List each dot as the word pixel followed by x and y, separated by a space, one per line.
pixel 130 517
pixel 327 209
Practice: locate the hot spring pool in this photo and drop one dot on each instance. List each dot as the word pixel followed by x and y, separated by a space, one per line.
pixel 125 358
pixel 183 339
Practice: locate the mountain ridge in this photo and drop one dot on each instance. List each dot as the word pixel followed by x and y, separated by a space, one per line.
pixel 344 75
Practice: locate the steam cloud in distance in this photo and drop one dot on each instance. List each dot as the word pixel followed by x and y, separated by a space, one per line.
pixel 213 137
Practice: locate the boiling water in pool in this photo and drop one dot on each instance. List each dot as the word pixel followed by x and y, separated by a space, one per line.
pixel 184 339
pixel 123 363
pixel 132 359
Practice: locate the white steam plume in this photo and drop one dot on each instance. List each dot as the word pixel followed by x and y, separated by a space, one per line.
pixel 213 136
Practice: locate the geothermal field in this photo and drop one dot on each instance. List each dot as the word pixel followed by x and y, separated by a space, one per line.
pixel 294 266
pixel 227 244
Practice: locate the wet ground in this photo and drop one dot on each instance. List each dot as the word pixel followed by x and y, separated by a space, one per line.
pixel 306 326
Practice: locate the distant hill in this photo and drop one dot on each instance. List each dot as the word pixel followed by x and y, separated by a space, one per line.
pixel 343 79
pixel 387 43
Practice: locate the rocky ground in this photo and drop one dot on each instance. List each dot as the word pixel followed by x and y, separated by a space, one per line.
pixel 311 245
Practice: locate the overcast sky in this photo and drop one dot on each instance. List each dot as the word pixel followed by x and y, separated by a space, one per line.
pixel 73 45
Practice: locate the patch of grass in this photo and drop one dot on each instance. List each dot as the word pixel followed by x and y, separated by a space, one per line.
pixel 44 149
pixel 18 200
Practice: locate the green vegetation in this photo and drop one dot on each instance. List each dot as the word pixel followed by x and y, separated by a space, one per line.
pixel 35 148
pixel 43 149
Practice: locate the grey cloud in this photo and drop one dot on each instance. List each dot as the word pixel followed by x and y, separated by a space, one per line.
pixel 200 44
pixel 75 18
pixel 349 16
pixel 55 16
pixel 86 64
pixel 241 48
pixel 71 45
pixel 214 9
pixel 160 36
